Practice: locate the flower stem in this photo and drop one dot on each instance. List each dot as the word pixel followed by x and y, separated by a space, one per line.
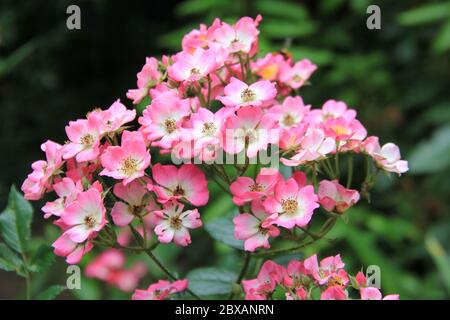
pixel 241 273
pixel 326 227
pixel 168 273
pixel 350 171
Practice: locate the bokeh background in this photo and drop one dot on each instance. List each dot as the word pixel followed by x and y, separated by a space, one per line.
pixel 397 78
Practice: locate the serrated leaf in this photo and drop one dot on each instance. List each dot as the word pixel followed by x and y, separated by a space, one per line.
pixel 15 222
pixel 51 292
pixel 211 281
pixel 9 261
pixel 222 229
pixel 41 259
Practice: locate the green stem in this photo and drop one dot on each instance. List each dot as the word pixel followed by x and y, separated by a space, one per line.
pixel 327 226
pixel 350 171
pixel 336 164
pixel 167 272
pixel 241 273
pixel 27 277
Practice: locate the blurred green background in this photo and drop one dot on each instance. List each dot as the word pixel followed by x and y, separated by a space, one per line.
pixel 397 78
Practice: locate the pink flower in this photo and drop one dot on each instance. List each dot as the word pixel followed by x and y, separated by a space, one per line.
pixel 268 67
pixel 329 272
pixel 245 189
pixel 333 109
pixel 371 293
pixel 250 129
pixel 387 157
pixel 85 217
pixel 251 228
pixel 115 117
pixel 206 132
pixel 293 203
pixel 109 267
pixel 297 75
pixel 291 112
pixel 188 182
pixel 160 290
pixel 270 275
pixel 197 38
pixel 334 293
pixel 84 136
pixel 193 67
pixel 127 162
pixel 161 121
pixel 342 129
pixel 172 223
pixel 148 77
pixel 40 180
pixel 241 37
pixel 64 246
pixel 137 203
pixel 67 191
pixel 315 145
pixel 335 197
pixel 239 94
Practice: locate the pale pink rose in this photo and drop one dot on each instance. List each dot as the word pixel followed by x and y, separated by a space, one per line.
pixel 251 228
pixel 84 138
pixel 136 203
pixel 335 197
pixel 193 67
pixel 128 161
pixel 245 189
pixel 292 204
pixel 40 180
pixel 160 290
pixel 270 275
pixel 315 145
pixel 172 224
pixel 250 129
pixel 67 191
pixel 84 217
pixel 387 157
pixel 148 77
pixel 290 113
pixel 238 94
pixel 187 182
pixel 297 75
pixel 64 246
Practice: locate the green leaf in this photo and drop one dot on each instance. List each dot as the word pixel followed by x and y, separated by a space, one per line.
pixel 432 155
pixel 280 29
pixel 51 292
pixel 15 222
pixel 441 259
pixel 425 14
pixel 276 8
pixel 222 229
pixel 211 281
pixel 41 259
pixel 192 7
pixel 9 261
pixel 442 41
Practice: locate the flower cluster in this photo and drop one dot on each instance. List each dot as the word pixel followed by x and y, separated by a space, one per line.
pixel 161 290
pixel 309 280
pixel 109 267
pixel 215 99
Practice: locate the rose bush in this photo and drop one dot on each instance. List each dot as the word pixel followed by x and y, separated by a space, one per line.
pixel 221 112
